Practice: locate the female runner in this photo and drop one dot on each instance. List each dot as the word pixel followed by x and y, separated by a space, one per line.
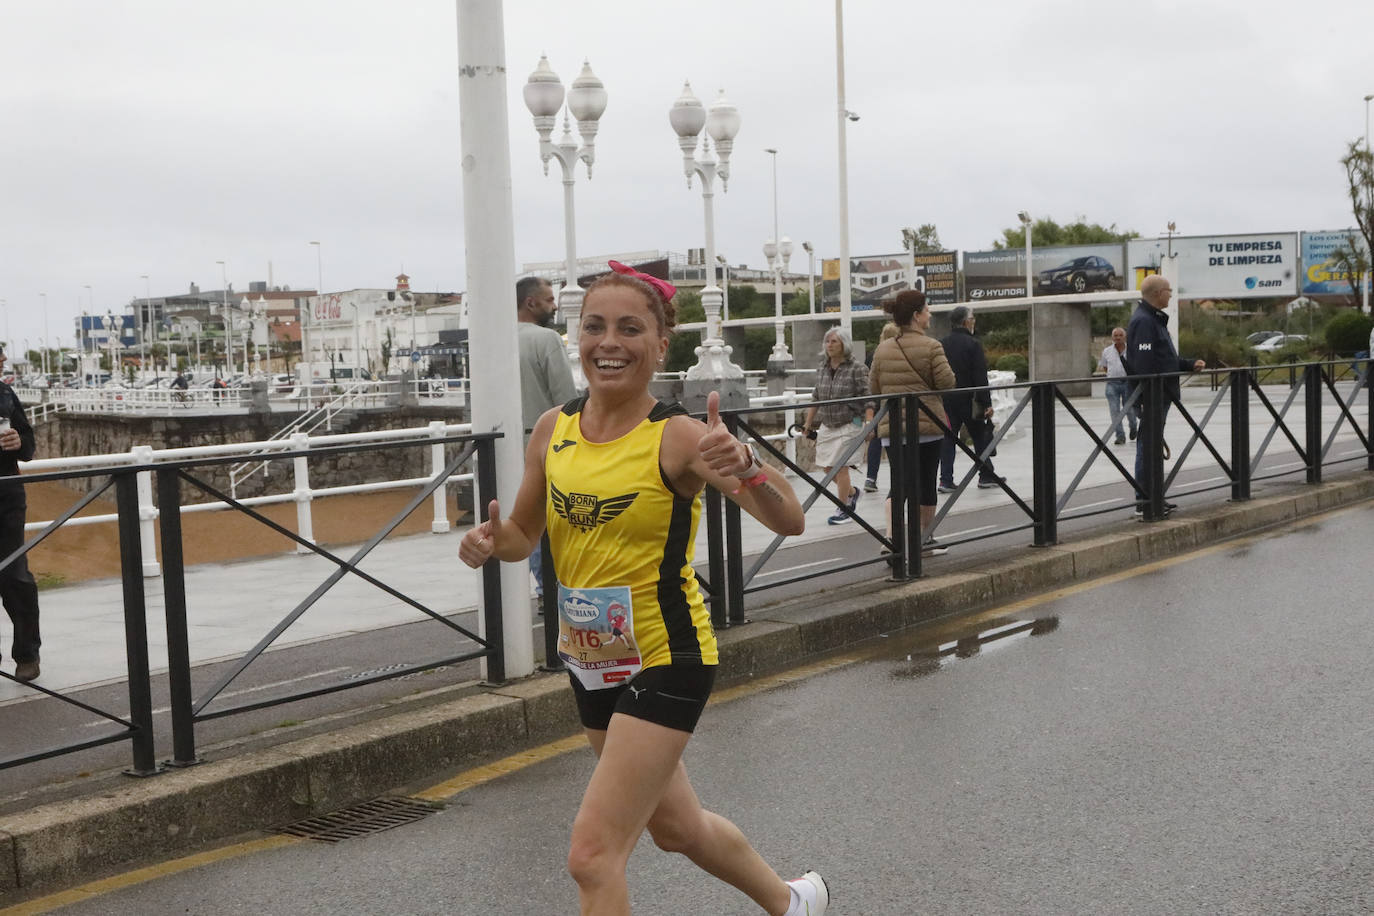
pixel 616 477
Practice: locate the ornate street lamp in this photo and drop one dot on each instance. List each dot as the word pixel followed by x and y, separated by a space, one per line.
pixel 778 254
pixel 722 123
pixel 544 96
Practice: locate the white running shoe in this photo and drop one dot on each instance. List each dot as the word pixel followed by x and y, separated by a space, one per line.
pixel 813 895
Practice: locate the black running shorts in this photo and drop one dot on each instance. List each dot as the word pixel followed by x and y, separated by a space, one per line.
pixel 669 695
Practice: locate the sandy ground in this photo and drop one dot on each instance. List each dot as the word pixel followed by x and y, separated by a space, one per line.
pixel 75 553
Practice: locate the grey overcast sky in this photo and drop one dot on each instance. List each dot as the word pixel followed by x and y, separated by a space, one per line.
pixel 160 136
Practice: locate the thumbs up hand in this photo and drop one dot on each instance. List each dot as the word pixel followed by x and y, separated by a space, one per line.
pixel 479 543
pixel 721 451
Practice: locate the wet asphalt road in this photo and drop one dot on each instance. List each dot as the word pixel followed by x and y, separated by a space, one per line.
pixel 1195 737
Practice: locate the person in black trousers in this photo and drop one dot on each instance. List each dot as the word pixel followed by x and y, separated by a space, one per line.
pixel 971 412
pixel 1150 351
pixel 18 591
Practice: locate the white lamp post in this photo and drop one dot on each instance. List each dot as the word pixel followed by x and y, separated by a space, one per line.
pixel 224 309
pixel 843 114
pixel 1025 219
pixel 260 319
pixel 110 342
pixel 148 321
pixel 306 351
pixel 810 275
pixel 43 362
pixel 687 117
pixel 725 268
pixel 1369 256
pixel 778 254
pixel 586 102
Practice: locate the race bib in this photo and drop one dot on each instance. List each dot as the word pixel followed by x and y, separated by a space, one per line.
pixel 596 635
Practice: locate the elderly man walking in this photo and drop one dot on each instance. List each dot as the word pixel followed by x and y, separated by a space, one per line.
pixel 1113 361
pixel 972 412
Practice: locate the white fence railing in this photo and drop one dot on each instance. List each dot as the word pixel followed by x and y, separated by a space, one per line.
pixel 301 492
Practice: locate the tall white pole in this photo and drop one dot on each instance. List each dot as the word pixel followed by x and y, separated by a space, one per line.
pixel 810 279
pixel 1369 255
pixel 842 114
pixel 307 354
pixel 570 296
pixel 779 345
pixel 224 312
pixel 46 337
pixel 489 231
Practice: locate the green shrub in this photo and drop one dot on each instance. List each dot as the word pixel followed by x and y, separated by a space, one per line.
pixel 1011 338
pixel 1014 362
pixel 1348 333
pixel 1212 348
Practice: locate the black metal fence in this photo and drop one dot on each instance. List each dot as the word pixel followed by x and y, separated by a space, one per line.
pixel 727 582
pixel 1043 509
pixel 186 708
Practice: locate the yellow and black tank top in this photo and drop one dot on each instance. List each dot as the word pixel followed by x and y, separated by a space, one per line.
pixel 618 530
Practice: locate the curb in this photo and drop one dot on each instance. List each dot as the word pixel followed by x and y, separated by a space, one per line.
pixel 68 842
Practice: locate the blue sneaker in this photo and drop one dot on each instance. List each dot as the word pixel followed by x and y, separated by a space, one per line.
pixel 847 513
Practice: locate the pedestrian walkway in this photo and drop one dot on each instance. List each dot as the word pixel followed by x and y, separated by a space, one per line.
pixel 234 605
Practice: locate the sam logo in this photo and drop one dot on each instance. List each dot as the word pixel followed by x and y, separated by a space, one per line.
pixel 579 609
pixel 586 511
pixel 1257 283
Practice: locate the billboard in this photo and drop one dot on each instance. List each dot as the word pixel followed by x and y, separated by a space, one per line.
pixel 1222 266
pixel 1055 270
pixel 877 277
pixel 936 272
pixel 1320 274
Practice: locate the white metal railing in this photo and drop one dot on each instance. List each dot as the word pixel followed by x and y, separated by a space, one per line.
pixel 301 493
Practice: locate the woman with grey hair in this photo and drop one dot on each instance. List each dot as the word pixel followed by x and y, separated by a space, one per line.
pixel 838 376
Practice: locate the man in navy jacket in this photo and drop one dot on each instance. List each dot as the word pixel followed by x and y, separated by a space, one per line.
pixel 965 411
pixel 1150 351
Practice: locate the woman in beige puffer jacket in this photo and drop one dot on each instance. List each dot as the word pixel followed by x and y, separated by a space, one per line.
pixel 908 360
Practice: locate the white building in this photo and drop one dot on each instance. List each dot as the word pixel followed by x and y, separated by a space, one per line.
pixel 369 328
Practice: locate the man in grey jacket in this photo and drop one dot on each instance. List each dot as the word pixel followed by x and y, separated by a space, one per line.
pixel 546 378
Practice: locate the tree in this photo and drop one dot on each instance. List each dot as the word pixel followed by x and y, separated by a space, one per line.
pixel 1046 233
pixel 924 238
pixel 1359 176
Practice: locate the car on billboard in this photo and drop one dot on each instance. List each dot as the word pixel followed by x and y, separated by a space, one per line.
pixel 1078 275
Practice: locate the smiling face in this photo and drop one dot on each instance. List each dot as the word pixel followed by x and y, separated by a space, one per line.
pixel 621 342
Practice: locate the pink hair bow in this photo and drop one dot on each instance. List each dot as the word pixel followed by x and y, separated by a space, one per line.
pixel 665 289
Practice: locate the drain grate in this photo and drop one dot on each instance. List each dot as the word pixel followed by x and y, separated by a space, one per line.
pixel 360 820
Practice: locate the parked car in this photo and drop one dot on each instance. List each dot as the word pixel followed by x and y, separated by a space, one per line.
pixel 1079 275
pixel 1260 337
pixel 1281 342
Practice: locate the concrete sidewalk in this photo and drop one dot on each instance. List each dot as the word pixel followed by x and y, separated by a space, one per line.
pixel 234 605
pixel 67 842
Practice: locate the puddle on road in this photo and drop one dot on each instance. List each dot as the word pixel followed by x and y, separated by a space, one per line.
pixel 922 651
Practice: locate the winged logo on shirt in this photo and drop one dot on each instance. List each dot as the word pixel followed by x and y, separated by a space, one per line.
pixel 586 511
